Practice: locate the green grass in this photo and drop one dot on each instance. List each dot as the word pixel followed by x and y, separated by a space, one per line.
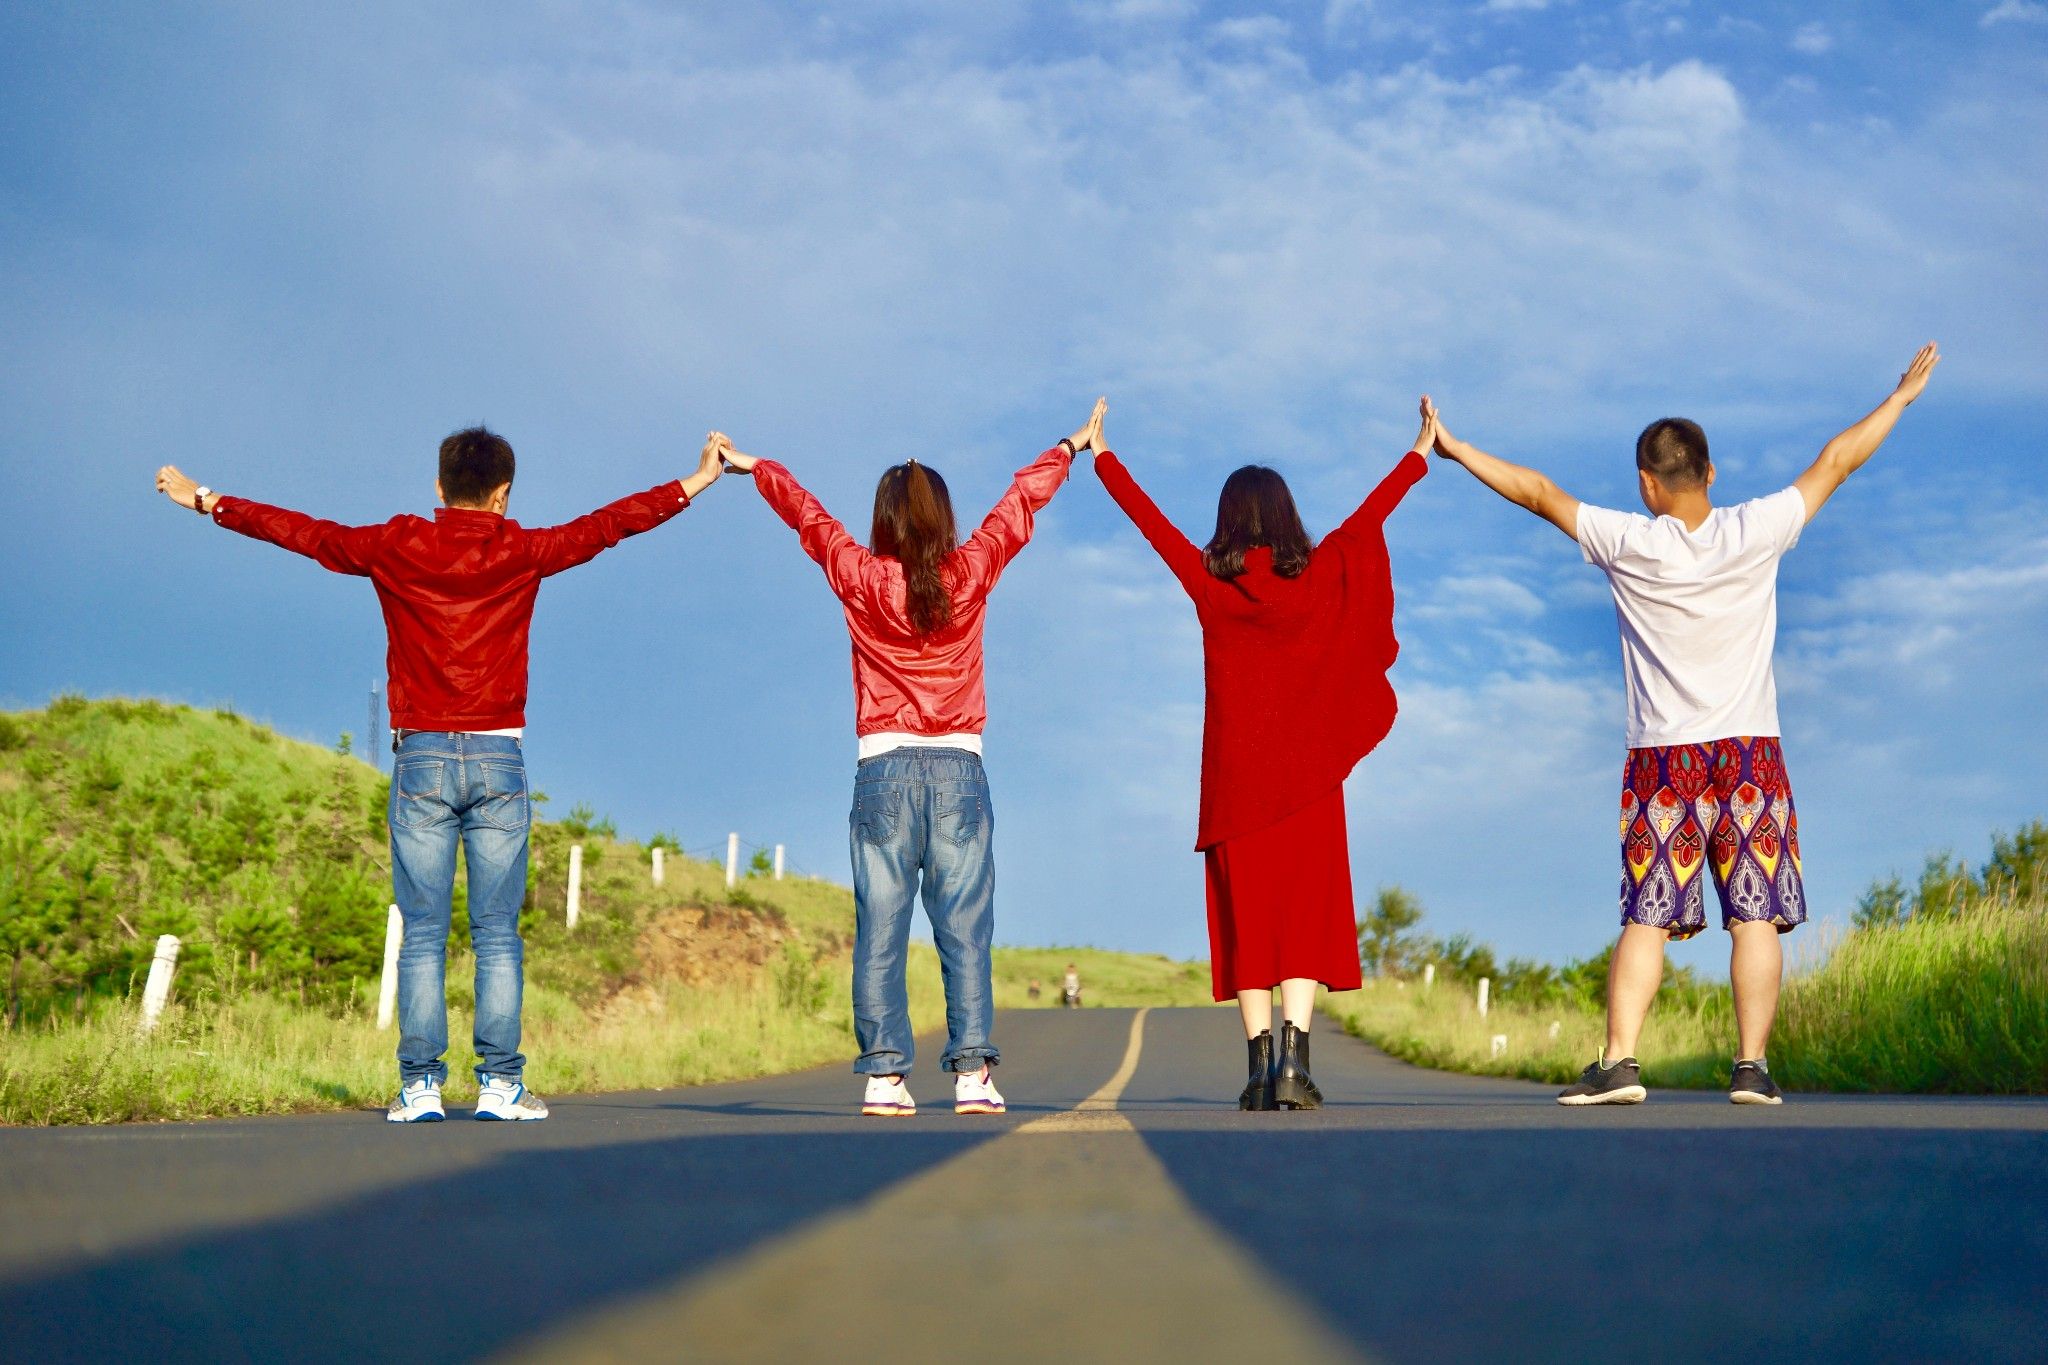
pixel 120 820
pixel 1939 1003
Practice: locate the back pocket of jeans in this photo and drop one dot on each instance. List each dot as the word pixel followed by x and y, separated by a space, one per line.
pixel 416 799
pixel 504 803
pixel 962 816
pixel 877 813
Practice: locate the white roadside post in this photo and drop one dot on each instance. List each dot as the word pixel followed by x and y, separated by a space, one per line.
pixel 575 883
pixel 1499 1045
pixel 1484 986
pixel 157 992
pixel 1428 975
pixel 387 988
pixel 732 859
pixel 658 870
pixel 778 862
pixel 1554 1026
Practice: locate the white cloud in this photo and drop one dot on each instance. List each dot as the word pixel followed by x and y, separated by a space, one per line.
pixel 1260 30
pixel 1483 596
pixel 1813 39
pixel 2014 12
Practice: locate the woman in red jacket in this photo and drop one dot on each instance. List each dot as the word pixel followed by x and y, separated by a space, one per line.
pixel 916 600
pixel 1296 642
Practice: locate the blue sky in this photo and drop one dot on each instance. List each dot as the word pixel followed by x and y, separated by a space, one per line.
pixel 290 247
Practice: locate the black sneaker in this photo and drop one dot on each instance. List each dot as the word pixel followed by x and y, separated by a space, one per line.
pixel 1621 1083
pixel 1751 1083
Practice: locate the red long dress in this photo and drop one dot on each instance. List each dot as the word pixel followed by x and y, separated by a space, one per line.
pixel 1295 676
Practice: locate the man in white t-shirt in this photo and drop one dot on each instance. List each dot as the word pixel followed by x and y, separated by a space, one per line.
pixel 1704 786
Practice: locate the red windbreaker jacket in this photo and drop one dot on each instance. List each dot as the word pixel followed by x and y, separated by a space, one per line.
pixel 904 682
pixel 1294 669
pixel 457 593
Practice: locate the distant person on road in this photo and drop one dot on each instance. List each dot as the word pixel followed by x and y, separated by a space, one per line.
pixel 458 595
pixel 1297 639
pixel 1704 786
pixel 1034 990
pixel 1070 988
pixel 916 599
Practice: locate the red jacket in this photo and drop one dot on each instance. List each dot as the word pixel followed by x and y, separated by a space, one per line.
pixel 902 681
pixel 457 593
pixel 1295 669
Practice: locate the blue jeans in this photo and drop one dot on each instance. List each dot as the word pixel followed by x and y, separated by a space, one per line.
pixel 922 813
pixel 449 788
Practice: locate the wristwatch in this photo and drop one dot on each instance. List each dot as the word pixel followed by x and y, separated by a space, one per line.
pixel 199 497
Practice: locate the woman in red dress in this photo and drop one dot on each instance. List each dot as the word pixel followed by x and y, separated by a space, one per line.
pixel 1296 642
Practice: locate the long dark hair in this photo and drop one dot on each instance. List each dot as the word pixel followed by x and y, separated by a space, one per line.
pixel 914 525
pixel 1256 509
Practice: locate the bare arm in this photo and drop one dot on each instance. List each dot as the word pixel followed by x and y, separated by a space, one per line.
pixel 1848 452
pixel 1529 488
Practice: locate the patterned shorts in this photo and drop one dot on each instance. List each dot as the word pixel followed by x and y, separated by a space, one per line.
pixel 1727 805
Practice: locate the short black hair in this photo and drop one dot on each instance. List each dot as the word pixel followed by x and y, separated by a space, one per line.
pixel 475 461
pixel 1675 451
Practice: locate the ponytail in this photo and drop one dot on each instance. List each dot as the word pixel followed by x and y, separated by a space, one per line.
pixel 914 525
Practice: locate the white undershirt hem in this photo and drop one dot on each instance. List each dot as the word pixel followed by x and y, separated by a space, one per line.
pixel 888 741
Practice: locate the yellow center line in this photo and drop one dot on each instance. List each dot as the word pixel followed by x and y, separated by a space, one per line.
pixel 1084 1248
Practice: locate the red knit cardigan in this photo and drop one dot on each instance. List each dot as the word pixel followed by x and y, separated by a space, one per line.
pixel 1295 668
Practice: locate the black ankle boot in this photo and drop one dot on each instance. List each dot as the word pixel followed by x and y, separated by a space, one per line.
pixel 1292 1088
pixel 1258 1091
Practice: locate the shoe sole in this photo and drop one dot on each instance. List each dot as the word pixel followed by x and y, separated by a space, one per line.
pixel 1751 1097
pixel 888 1111
pixel 482 1117
pixel 979 1107
pixel 1295 1095
pixel 417 1118
pixel 1627 1094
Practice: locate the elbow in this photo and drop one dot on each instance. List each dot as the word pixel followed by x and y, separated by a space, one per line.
pixel 1537 493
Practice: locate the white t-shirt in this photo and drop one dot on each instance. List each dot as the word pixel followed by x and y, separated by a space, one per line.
pixel 1699 615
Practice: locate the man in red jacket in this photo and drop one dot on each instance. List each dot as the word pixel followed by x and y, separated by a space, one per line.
pixel 458 594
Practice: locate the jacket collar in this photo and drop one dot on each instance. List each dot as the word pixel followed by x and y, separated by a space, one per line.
pixel 472 520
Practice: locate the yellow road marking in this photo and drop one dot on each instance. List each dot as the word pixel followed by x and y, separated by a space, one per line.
pixel 1083 1249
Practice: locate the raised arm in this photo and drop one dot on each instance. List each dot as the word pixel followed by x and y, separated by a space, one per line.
pixel 344 549
pixel 556 548
pixel 1381 502
pixel 1528 488
pixel 1180 554
pixel 823 538
pixel 1008 526
pixel 1846 454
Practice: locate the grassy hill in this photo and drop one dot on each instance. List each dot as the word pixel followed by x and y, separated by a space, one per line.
pixel 123 820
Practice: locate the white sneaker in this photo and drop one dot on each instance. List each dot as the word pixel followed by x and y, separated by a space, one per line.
pixel 974 1092
pixel 419 1102
pixel 888 1099
pixel 499 1097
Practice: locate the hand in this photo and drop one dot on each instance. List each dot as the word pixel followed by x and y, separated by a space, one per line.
pixel 1090 433
pixel 1440 437
pixel 711 460
pixel 1914 380
pixel 738 463
pixel 1425 440
pixel 172 483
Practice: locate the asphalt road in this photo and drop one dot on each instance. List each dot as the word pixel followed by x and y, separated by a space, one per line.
pixel 1124 1210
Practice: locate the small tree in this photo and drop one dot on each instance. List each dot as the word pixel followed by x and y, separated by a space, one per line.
pixel 1882 905
pixel 2019 862
pixel 1383 931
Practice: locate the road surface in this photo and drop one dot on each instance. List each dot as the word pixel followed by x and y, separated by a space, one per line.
pixel 1123 1210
